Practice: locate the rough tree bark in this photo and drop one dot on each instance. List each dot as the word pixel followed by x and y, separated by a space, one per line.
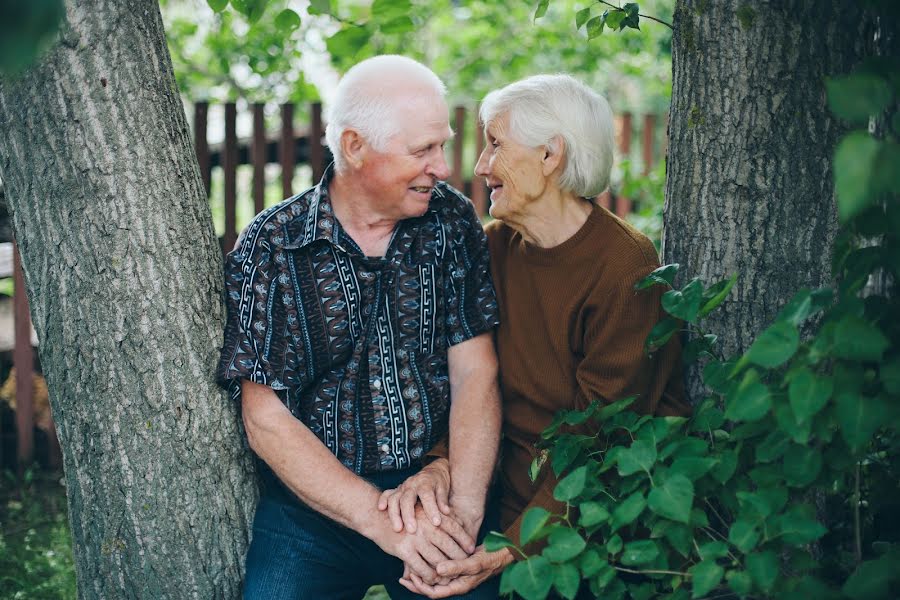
pixel 749 186
pixel 124 277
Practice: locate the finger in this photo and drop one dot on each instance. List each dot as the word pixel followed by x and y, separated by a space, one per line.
pixel 455 568
pixel 420 587
pixel 408 510
pixel 443 497
pixel 459 533
pixel 411 586
pixel 383 499
pixel 430 505
pixel 433 556
pixel 394 512
pixel 421 568
pixel 447 545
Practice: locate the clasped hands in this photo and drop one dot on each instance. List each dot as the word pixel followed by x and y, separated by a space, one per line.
pixel 438 544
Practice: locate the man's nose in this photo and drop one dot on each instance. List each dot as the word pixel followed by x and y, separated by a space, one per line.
pixel 438 168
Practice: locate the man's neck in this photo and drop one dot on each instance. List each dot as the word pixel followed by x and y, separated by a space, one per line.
pixel 359 216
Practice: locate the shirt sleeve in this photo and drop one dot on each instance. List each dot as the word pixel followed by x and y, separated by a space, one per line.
pixel 615 366
pixel 471 303
pixel 256 344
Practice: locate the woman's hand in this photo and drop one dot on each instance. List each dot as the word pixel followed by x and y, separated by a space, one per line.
pixel 430 486
pixel 464 575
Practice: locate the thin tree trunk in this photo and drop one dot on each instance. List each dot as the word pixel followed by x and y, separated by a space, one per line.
pixel 124 278
pixel 749 187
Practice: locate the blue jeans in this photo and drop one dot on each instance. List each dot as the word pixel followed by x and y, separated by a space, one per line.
pixel 298 554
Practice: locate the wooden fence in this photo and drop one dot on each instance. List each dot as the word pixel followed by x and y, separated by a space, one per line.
pixel 289 146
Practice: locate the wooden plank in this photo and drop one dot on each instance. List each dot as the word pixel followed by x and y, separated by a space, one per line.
pixel 456 177
pixel 316 152
pixel 258 153
pixel 649 127
pixel 201 144
pixel 622 206
pixel 229 167
pixel 286 154
pixel 479 187
pixel 23 360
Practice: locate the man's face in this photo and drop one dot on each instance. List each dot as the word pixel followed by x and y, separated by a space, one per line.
pixel 400 179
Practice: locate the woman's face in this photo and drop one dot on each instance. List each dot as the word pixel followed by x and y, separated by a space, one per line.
pixel 513 172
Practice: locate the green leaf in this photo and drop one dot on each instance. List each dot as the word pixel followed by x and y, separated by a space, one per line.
pixel 533 521
pixel 854 163
pixel 287 20
pixel 743 535
pixel 725 467
pixel 739 582
pixel 693 467
pixel 582 16
pixel 595 27
pixel 628 510
pixel 873 579
pixel 774 346
pixel 592 563
pixel 217 5
pixel 713 550
pixel 705 576
pixel 750 401
pixel 252 9
pixel 592 513
pixel 535 469
pixel 541 9
pixel 808 393
pixel 772 447
pixel 797 309
pixel 684 304
pixel 788 423
pixel 639 553
pixel 348 41
pixel 715 295
pixel 614 19
pixel 715 375
pixel 571 485
pixel 860 417
pixel 319 7
pixel 615 408
pixel 763 569
pixel 858 96
pixel 764 501
pixel 566 580
pixel 640 456
pixel 857 339
pixel 388 10
pixel 663 275
pixel 796 528
pixel 661 333
pixel 494 541
pixel 614 545
pixel 889 373
pixel 802 465
pixel 398 25
pixel 564 544
pixel 532 578
pixel 632 18
pixel 673 499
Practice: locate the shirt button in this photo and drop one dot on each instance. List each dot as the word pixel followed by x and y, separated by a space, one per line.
pixel 376 384
pixel 385 448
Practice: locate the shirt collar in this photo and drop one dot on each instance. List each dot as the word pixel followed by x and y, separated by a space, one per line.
pixel 320 223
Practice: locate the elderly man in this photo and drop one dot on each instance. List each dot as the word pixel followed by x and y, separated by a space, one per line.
pixel 359 329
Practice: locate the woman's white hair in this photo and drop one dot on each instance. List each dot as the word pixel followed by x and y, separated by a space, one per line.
pixel 542 107
pixel 366 100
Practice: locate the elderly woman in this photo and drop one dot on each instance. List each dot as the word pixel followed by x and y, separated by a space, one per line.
pixel 572 325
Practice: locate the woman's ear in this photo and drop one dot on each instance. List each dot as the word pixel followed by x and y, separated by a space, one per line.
pixel 554 155
pixel 353 147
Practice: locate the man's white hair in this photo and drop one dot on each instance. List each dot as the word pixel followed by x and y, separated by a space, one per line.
pixel 366 100
pixel 545 106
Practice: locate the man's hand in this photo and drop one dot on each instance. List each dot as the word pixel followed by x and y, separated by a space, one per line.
pixel 430 486
pixel 463 575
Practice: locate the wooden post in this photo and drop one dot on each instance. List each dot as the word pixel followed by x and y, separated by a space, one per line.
pixel 649 126
pixel 258 157
pixel 622 204
pixel 23 360
pixel 456 177
pixel 316 153
pixel 479 187
pixel 229 168
pixel 201 145
pixel 287 150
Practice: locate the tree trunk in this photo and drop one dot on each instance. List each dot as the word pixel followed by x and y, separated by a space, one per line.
pixel 124 278
pixel 749 187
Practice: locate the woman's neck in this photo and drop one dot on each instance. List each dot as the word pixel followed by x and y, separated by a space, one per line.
pixel 552 220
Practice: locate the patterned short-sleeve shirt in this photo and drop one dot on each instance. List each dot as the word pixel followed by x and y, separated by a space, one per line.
pixel 356 347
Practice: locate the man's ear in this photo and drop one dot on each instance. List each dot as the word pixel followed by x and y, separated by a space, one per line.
pixel 554 155
pixel 353 146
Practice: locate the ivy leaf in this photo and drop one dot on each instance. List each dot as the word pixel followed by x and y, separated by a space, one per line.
pixel 663 275
pixel 566 580
pixel 673 499
pixel 319 7
pixel 857 339
pixel 705 576
pixel 641 456
pixel 873 578
pixel 693 467
pixel 532 578
pixel 592 563
pixel 763 569
pixel 535 469
pixel 388 10
pixel 614 19
pixel 661 333
pixel 348 41
pixel 808 393
pixel 684 304
pixel 533 521
pixel 398 25
pixel 716 294
pixel 592 513
pixel 797 309
pixel 740 582
pixel 750 401
pixel 743 535
pixel 541 9
pixel 217 5
pixel 614 545
pixel 607 412
pixel 639 553
pixel 860 417
pixel 494 541
pixel 571 485
pixel 715 375
pixel 713 550
pixel 631 15
pixel 858 96
pixel 774 346
pixel 796 528
pixel 854 165
pixel 772 447
pixel 252 9
pixel 287 20
pixel 628 510
pixel 564 544
pixel 725 467
pixel 582 16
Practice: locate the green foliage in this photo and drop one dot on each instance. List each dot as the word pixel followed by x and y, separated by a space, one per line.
pixel 721 504
pixel 26 30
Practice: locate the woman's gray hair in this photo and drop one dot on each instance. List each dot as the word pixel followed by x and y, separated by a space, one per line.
pixel 366 100
pixel 545 106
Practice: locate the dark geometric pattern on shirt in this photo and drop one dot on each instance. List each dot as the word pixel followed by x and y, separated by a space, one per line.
pixel 356 347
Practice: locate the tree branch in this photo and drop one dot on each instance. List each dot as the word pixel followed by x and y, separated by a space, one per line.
pixel 669 25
